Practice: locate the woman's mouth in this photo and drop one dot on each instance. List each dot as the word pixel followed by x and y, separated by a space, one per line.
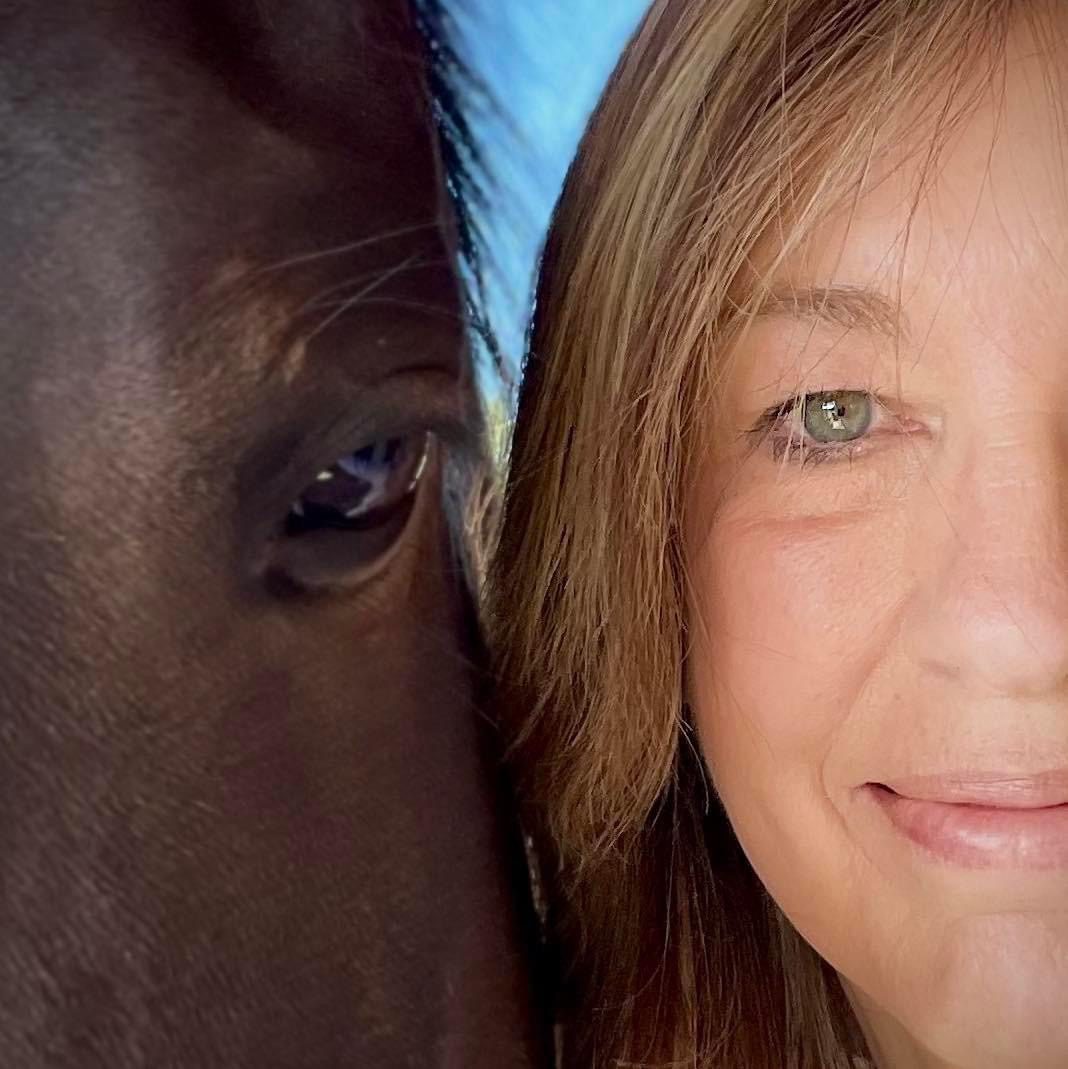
pixel 982 820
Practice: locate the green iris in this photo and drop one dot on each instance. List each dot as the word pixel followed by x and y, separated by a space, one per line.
pixel 837 415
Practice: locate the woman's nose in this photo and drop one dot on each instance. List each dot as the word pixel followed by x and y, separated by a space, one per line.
pixel 992 558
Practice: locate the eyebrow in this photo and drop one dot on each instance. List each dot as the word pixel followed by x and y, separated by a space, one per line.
pixel 849 307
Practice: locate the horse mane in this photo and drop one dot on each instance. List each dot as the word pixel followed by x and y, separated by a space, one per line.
pixel 452 85
pixel 471 490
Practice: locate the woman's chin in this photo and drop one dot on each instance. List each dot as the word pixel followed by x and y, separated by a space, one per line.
pixel 988 993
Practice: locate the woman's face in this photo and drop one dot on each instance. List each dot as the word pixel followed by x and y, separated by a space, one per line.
pixel 879 617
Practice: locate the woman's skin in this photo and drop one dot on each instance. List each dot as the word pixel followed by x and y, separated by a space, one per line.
pixel 896 613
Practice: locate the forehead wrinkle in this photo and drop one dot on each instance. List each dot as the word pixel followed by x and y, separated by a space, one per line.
pixel 848 307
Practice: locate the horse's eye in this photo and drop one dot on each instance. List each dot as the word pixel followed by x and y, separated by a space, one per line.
pixel 363 489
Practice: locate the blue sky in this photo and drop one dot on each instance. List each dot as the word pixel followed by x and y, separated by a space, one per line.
pixel 546 62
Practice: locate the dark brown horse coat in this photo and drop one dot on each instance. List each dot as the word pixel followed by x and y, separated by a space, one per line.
pixel 249 815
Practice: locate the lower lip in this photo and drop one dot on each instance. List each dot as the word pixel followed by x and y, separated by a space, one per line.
pixel 980 836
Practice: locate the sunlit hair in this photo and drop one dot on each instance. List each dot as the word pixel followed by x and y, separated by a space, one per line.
pixel 725 122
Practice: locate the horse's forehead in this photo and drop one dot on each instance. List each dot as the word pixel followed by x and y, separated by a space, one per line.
pixel 152 151
pixel 343 75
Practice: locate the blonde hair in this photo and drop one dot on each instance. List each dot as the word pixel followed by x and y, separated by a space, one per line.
pixel 725 120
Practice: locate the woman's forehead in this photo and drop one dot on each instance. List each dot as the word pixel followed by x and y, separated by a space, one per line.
pixel 947 209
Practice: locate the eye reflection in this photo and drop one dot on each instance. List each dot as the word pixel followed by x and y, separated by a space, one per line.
pixel 362 489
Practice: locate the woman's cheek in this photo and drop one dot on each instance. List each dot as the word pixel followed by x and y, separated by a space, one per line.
pixel 793 619
pixel 795 616
pixel 798 615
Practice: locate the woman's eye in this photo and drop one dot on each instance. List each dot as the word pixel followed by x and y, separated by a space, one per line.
pixel 362 489
pixel 837 416
pixel 820 426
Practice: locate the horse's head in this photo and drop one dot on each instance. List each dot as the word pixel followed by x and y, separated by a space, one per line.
pixel 246 806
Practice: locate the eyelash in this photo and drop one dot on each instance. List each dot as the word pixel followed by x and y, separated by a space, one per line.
pixel 785 445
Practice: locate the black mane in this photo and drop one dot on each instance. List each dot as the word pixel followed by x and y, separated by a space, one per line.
pixel 452 86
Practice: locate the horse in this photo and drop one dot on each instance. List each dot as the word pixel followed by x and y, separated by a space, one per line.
pixel 250 812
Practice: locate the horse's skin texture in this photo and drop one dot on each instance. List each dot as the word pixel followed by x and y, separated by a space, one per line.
pixel 249 814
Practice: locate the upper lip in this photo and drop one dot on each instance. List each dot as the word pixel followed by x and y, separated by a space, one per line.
pixel 1001 790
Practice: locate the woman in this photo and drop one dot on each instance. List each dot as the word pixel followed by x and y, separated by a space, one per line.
pixel 782 591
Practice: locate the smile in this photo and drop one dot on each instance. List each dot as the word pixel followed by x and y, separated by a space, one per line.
pixel 983 822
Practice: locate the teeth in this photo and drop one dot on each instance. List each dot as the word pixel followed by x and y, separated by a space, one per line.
pixel 297 509
pixel 348 467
